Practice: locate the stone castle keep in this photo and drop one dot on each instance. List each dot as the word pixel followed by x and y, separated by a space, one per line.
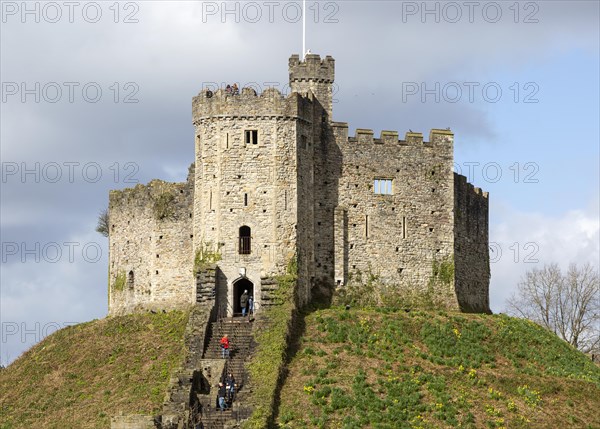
pixel 276 179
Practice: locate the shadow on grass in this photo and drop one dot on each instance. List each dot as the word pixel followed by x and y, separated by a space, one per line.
pixel 297 331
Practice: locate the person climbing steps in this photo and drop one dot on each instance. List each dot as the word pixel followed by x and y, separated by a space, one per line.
pixel 224 346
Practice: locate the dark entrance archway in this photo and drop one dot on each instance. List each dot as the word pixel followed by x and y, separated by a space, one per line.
pixel 238 289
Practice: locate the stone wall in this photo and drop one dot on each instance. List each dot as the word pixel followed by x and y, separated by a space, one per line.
pixel 150 247
pixel 397 236
pixel 471 246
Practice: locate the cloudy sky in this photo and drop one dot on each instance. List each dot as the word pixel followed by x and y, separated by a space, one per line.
pixel 97 96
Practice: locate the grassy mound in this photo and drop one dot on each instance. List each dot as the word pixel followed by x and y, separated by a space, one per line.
pixel 82 375
pixel 378 369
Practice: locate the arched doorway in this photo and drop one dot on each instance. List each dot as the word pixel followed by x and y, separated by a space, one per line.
pixel 238 289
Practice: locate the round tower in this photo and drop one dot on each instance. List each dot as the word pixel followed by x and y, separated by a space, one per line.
pixel 247 185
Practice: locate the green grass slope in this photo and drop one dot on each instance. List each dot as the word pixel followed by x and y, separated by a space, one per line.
pixel 80 376
pixel 423 370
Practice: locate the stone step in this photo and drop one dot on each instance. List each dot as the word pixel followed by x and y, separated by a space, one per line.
pixel 239 332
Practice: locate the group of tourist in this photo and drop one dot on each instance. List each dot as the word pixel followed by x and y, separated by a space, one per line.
pixel 229 90
pixel 226 392
pixel 232 89
pixel 228 387
pixel 247 305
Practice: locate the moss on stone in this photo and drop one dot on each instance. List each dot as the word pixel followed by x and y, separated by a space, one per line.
pixel 443 270
pixel 163 206
pixel 120 280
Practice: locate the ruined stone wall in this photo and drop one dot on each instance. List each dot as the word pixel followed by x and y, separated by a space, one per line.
pixel 397 237
pixel 150 247
pixel 471 246
pixel 239 183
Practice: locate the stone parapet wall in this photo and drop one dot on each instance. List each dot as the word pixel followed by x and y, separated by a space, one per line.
pixel 269 104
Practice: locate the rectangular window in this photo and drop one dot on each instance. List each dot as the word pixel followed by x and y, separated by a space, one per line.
pixel 251 136
pixel 382 186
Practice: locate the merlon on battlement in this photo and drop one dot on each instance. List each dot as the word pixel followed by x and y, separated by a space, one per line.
pixel 312 68
pixel 366 136
pixel 462 182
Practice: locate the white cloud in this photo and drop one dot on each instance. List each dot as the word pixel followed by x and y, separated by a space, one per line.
pixel 525 240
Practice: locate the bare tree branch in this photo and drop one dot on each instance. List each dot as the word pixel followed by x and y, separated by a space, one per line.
pixel 566 304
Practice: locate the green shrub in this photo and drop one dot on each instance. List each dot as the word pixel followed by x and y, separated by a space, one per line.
pixel 205 255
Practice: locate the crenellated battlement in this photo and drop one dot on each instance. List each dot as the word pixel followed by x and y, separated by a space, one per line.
pixel 313 68
pixel 462 183
pixel 270 103
pixel 386 137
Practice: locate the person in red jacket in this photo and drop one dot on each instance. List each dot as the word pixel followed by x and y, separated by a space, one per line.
pixel 224 346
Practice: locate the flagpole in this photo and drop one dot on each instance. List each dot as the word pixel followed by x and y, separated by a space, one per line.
pixel 303 30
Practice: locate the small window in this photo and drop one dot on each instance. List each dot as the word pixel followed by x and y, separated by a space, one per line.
pixel 130 281
pixel 251 136
pixel 245 244
pixel 382 186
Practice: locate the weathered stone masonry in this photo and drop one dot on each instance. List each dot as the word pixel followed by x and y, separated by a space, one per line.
pixel 150 247
pixel 275 178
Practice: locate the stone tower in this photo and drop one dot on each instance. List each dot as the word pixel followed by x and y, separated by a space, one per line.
pixel 254 178
pixel 275 179
pixel 316 76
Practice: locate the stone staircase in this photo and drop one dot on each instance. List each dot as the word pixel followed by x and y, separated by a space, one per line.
pixel 239 332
